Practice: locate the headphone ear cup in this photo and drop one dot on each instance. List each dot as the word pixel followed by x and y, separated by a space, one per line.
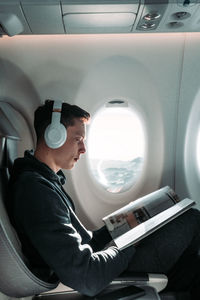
pixel 55 135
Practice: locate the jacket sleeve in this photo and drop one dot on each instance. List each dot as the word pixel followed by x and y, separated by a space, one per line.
pixel 46 220
pixel 100 238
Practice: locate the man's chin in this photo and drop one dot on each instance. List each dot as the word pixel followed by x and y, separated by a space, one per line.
pixel 69 167
pixel 72 165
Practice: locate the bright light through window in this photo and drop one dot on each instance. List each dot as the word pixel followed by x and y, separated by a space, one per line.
pixel 116 146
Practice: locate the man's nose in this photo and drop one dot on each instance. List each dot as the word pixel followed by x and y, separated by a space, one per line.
pixel 82 148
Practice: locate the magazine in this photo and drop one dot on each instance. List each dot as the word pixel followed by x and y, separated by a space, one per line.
pixel 141 217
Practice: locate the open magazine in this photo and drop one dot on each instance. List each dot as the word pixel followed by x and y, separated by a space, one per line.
pixel 133 222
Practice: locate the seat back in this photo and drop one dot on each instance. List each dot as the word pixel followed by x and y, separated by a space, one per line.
pixel 16 280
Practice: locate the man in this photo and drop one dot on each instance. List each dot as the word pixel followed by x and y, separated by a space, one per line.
pixel 56 243
pixel 53 239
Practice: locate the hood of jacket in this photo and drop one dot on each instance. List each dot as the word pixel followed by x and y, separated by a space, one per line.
pixel 30 163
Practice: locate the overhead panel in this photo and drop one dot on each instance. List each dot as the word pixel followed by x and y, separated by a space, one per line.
pixel 98 16
pixel 181 16
pixel 151 16
pixel 106 18
pixel 44 18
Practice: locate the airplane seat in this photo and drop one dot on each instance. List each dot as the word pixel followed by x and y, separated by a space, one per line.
pixel 16 280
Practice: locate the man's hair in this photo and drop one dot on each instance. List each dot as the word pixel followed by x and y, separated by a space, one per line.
pixel 43 115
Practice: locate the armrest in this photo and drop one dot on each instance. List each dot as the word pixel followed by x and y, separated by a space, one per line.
pixel 152 284
pixel 158 281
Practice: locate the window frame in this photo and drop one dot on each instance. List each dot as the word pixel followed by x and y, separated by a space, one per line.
pixel 133 110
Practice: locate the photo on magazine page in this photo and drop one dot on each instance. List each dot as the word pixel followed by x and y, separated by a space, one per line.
pixel 144 215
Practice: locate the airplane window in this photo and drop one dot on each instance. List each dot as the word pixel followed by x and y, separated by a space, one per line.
pixel 116 147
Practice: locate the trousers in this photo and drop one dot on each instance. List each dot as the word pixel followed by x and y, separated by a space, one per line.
pixel 173 250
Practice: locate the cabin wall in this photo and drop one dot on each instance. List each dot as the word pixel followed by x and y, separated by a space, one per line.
pixel 187 175
pixel 158 73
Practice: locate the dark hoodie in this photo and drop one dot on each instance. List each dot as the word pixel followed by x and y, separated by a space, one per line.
pixel 53 239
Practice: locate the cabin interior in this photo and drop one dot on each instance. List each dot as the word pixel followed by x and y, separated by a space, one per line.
pixel 137 55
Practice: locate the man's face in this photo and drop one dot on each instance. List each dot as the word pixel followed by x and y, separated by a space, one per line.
pixel 67 155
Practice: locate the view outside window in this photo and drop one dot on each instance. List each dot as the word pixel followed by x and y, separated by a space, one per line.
pixel 116 146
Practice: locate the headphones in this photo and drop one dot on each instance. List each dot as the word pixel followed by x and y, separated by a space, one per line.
pixel 55 134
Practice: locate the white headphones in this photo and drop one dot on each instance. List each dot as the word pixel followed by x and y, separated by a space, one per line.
pixel 55 134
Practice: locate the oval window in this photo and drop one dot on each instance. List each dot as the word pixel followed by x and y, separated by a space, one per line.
pixel 116 147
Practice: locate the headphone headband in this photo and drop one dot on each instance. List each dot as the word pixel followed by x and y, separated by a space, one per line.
pixel 57 106
pixel 57 110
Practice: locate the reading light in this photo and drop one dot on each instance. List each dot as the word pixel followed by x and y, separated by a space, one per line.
pixel 147 26
pixel 151 16
pixel 11 24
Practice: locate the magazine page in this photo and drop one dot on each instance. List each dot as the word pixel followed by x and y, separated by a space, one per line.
pixel 136 234
pixel 140 210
